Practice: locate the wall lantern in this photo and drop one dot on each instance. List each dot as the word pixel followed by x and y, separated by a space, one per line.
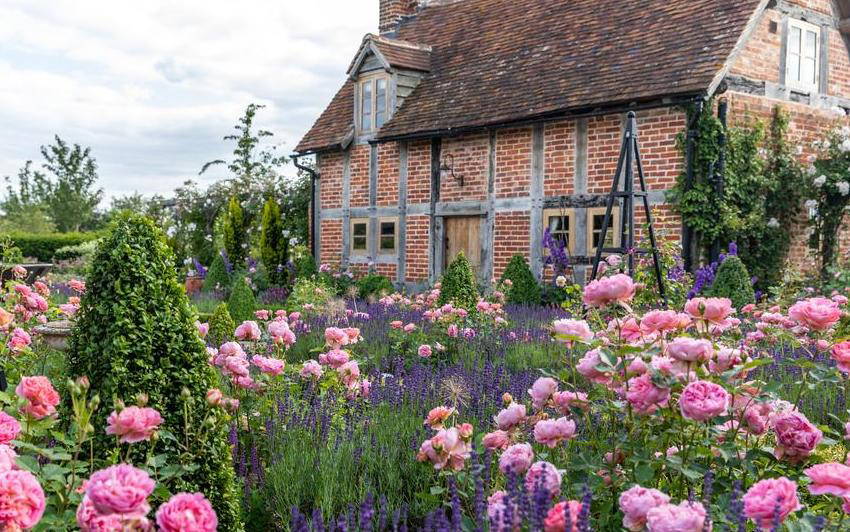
pixel 447 169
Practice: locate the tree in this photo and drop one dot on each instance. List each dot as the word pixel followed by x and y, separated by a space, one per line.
pixel 524 290
pixel 458 284
pixel 234 229
pixel 274 244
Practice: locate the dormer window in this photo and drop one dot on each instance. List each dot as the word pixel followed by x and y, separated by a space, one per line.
pixel 802 65
pixel 373 103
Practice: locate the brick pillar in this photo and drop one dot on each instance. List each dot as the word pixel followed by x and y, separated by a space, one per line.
pixel 391 11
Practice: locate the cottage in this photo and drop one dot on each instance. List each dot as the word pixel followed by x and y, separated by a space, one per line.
pixel 473 125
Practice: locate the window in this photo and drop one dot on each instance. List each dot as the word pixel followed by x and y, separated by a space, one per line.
pixel 595 221
pixel 561 225
pixel 388 236
pixel 360 236
pixel 373 103
pixel 801 62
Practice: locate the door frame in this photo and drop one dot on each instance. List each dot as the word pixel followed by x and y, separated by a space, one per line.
pixel 483 242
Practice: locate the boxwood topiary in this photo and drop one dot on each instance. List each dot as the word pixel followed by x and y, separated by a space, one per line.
pixel 373 285
pixel 135 334
pixel 733 281
pixel 458 284
pixel 217 277
pixel 241 303
pixel 524 289
pixel 221 326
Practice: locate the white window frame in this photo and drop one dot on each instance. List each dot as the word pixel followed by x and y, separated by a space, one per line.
pixel 792 79
pixel 570 215
pixel 394 221
pixel 614 230
pixel 359 252
pixel 373 81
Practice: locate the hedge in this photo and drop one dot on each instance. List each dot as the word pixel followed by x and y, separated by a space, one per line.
pixel 43 246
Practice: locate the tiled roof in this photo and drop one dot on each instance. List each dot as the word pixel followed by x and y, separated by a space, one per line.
pixel 403 54
pixel 501 61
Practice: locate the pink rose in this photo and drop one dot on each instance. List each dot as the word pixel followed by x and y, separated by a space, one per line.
pixel 816 313
pixel 516 459
pixel 556 519
pixel 551 432
pixel 353 334
pixel 771 499
pixel 437 416
pixel 635 502
pixel 703 400
pixel 726 359
pixel 659 321
pixel 77 286
pixel 133 424
pixel 396 324
pixel 568 331
pixel 269 366
pixel 7 458
pixel 832 478
pixel 203 329
pixel 214 397
pixel 447 449
pixel 686 517
pixel 841 354
pixel 311 368
pixel 757 417
pixel 19 340
pixel 796 437
pixel 690 349
pixel 712 309
pixel 498 511
pixel 566 400
pixel 336 358
pixel 41 397
pixel 236 365
pixel 409 328
pixel 618 288
pixel 6 317
pixel 627 329
pixel 231 349
pixel 644 396
pixel 425 351
pixel 541 391
pixel 452 331
pixel 336 337
pixel 89 519
pixel 248 330
pixel 9 428
pixel 21 500
pixel 498 439
pixel 543 476
pixel 511 416
pixel 349 372
pixel 187 512
pixel 587 367
pixel 119 489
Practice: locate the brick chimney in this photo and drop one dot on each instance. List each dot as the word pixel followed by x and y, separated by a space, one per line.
pixel 392 11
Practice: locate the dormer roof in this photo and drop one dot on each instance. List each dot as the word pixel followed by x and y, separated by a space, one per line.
pixel 392 54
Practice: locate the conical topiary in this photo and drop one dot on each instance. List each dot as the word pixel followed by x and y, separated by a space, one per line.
pixel 135 334
pixel 221 326
pixel 733 281
pixel 217 276
pixel 241 303
pixel 458 285
pixel 274 245
pixel 234 231
pixel 524 289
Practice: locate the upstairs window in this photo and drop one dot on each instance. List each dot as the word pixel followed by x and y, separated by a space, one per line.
pixel 373 103
pixel 380 102
pixel 801 63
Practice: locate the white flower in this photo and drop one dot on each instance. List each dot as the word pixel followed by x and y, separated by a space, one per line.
pixel 773 222
pixel 811 170
pixel 561 281
pixel 820 180
pixel 845 131
pixel 844 188
pixel 845 145
pixel 811 204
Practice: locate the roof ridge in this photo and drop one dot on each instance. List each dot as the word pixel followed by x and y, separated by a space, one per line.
pixel 398 42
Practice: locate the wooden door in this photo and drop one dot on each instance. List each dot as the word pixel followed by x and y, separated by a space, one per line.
pixel 463 234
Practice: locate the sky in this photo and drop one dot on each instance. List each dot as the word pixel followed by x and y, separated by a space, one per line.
pixel 152 86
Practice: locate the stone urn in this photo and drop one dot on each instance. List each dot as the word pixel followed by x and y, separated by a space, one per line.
pixel 55 333
pixel 194 284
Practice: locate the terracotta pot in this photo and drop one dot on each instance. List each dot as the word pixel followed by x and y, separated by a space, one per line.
pixel 194 285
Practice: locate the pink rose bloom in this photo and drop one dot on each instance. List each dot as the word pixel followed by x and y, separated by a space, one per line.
pixel 690 349
pixel 277 328
pixel 712 309
pixel 841 355
pixel 77 286
pixel 644 396
pixel 261 314
pixel 445 450
pixel 770 499
pixel 7 458
pixel 269 366
pixel 336 358
pixel 425 351
pixel 659 321
pixel 214 397
pixel 203 328
pixel 6 317
pixel 396 324
pixel 545 476
pixel 41 288
pixel 686 517
pixel 236 365
pixel 627 329
pixel 618 288
pixel 133 424
pixel 511 416
pixel 41 397
pixel 437 416
pixel 847 431
pixel 453 331
pixel 516 459
pixel 187 512
pixel 573 329
pixel 19 340
pixel 498 439
pixel 587 367
pixel 726 359
pixel 248 330
pixel 541 391
pixel 556 519
pixel 497 512
pixel 231 349
pixel 757 418
pixel 635 502
pixel 9 428
pixel 565 400
pixel 349 372
pixel 119 489
pixel 703 400
pixel 409 328
pixel 816 313
pixel 832 478
pixel 311 368
pixel 353 334
pixel 551 432
pixel 336 337
pixel 796 437
pixel 21 500
pixel 90 520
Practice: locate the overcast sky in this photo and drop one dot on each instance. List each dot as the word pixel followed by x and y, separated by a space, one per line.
pixel 153 85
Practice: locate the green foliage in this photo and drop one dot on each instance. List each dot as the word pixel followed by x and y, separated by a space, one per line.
pixel 44 246
pixel 241 303
pixel 221 326
pixel 373 285
pixel 677 282
pixel 458 284
pixel 217 277
pixel 305 266
pixel 274 244
pixel 135 334
pixel 733 281
pixel 34 219
pixel 234 229
pixel 524 289
pixel 83 251
pixel 307 290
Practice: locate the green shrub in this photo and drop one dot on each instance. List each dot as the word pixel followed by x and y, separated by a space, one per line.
pixel 241 303
pixel 274 245
pixel 43 246
pixel 458 284
pixel 135 334
pixel 234 230
pixel 374 285
pixel 221 326
pixel 307 290
pixel 733 281
pixel 217 276
pixel 524 289
pixel 305 266
pixel 83 251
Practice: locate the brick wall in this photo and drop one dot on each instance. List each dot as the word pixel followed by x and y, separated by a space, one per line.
pixel 330 170
pixel 511 238
pixel 359 196
pixel 419 172
pixel 559 158
pixel 662 160
pixel 760 57
pixel 839 65
pixel 416 265
pixel 387 174
pixel 513 162
pixel 331 244
pixel 604 135
pixel 471 160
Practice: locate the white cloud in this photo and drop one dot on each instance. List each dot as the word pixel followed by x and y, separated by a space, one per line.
pixel 153 86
